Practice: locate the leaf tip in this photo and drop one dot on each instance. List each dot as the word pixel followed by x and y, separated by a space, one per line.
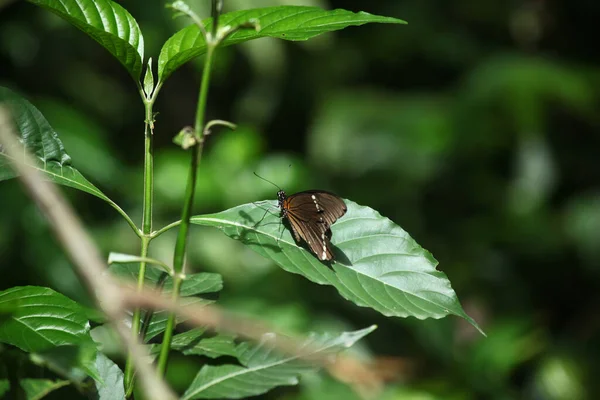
pixel 475 325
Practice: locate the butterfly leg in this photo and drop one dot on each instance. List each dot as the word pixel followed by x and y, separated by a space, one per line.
pixel 266 209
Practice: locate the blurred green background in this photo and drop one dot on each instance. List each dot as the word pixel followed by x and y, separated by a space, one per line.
pixel 475 128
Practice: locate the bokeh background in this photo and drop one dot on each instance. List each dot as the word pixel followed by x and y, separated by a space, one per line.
pixel 475 128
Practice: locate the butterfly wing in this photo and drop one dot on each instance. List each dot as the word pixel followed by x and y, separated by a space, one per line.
pixel 311 214
pixel 314 234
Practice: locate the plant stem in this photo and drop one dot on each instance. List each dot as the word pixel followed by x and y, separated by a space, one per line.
pixel 146 230
pixel 148 169
pixel 182 236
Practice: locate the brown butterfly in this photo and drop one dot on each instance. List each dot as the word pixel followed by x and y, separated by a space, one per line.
pixel 311 214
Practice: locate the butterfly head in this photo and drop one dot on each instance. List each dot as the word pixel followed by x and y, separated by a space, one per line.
pixel 280 198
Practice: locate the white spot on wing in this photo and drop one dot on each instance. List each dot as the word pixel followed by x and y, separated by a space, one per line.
pixel 316 203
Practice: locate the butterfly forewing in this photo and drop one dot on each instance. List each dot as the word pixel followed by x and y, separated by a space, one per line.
pixel 311 215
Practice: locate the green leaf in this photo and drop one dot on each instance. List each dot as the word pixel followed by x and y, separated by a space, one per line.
pixel 39 138
pixel 377 265
pixel 52 327
pixel 110 386
pixel 284 22
pixel 38 388
pixel 149 79
pixel 193 284
pixel 191 288
pixel 192 342
pixel 120 258
pixel 108 24
pixel 263 368
pixel 42 319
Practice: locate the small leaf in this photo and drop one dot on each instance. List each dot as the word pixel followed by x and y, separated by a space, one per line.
pixel 192 342
pixel 108 24
pixel 284 22
pixel 377 265
pixel 192 287
pixel 110 386
pixel 158 324
pixel 36 389
pixel 193 284
pixel 42 319
pixel 38 137
pixel 263 368
pixel 120 258
pixel 149 79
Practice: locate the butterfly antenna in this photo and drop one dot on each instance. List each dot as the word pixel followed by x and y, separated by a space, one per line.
pixel 289 173
pixel 266 180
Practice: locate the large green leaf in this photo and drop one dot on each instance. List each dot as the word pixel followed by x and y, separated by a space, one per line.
pixel 263 368
pixel 377 265
pixel 192 287
pixel 107 23
pixel 42 319
pixel 39 138
pixel 110 386
pixel 50 326
pixel 284 22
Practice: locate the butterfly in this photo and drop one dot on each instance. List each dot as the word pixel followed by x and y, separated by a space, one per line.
pixel 310 215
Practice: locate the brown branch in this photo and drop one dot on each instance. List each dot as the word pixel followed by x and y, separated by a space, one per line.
pixel 82 252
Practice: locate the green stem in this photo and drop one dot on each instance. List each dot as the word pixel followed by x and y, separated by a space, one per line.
pixel 181 244
pixel 148 170
pixel 146 230
pixel 135 324
pixel 162 230
pixel 129 221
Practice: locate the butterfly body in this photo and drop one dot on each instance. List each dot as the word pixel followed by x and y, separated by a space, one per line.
pixel 310 215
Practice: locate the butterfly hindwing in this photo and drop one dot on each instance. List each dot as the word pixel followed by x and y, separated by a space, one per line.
pixel 315 234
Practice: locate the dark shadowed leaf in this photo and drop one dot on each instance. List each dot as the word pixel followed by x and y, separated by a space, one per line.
pixel 108 24
pixel 38 388
pixel 263 368
pixel 377 265
pixel 75 363
pixel 284 22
